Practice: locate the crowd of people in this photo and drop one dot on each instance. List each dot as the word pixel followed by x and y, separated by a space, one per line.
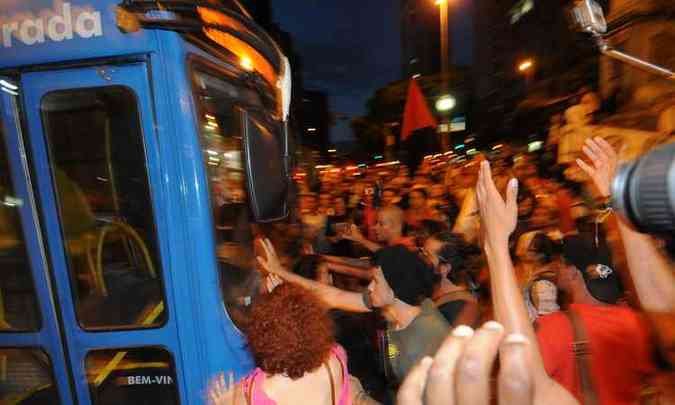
pixel 501 279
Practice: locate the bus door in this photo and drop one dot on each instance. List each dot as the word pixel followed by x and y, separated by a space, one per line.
pixel 32 359
pixel 92 149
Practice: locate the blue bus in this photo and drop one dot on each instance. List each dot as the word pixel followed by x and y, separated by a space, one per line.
pixel 141 144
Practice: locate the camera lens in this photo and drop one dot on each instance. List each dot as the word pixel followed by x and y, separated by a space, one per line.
pixel 644 191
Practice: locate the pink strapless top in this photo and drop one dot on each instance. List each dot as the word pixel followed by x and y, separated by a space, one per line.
pixel 254 382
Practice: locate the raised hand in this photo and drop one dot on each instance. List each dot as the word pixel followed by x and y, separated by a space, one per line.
pixel 221 391
pixel 353 233
pixel 379 290
pixel 459 373
pixel 603 164
pixel 270 262
pixel 498 217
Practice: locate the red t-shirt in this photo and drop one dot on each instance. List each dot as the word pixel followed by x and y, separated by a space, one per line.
pixel 620 350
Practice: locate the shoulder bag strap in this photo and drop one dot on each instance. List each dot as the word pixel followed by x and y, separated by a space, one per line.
pixel 332 383
pixel 581 350
pixel 385 360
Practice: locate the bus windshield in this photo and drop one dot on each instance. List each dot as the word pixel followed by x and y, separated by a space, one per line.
pixel 221 106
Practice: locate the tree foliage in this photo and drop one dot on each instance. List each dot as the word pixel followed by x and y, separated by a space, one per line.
pixel 370 134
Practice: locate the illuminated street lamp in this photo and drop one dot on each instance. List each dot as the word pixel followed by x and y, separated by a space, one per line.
pixel 525 65
pixel 446 103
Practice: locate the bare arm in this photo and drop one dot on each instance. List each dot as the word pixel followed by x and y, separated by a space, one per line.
pixel 370 245
pixel 333 297
pixel 651 272
pixel 356 236
pixel 349 261
pixel 353 271
pixel 508 302
pixel 498 220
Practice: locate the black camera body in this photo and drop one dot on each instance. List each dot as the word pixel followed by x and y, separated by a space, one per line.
pixel 643 191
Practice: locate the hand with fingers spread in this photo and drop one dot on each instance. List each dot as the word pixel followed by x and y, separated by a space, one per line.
pixel 270 262
pixel 222 391
pixel 460 371
pixel 498 217
pixel 603 164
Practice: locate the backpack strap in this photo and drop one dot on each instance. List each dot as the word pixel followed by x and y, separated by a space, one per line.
pixel 582 353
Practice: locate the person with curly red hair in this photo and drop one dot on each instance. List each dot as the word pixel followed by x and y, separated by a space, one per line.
pixel 291 338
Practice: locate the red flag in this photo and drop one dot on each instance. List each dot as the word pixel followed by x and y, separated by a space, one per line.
pixel 416 114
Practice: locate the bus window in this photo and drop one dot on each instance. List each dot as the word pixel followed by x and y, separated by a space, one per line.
pixel 97 159
pixel 143 375
pixel 220 105
pixel 18 306
pixel 26 377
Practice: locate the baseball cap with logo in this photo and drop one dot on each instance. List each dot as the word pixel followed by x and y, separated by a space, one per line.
pixel 595 265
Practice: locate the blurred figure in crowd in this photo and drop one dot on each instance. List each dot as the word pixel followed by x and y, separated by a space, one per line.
pixel 418 209
pixel 390 197
pixel 450 254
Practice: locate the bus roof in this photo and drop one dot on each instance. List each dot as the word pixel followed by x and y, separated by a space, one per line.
pixel 35 32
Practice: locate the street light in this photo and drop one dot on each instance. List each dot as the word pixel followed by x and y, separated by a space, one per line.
pixel 525 65
pixel 446 103
pixel 443 6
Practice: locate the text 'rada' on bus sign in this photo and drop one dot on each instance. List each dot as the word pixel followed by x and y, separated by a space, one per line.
pixel 60 23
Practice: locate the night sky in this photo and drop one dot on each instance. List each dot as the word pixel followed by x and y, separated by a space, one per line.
pixel 349 48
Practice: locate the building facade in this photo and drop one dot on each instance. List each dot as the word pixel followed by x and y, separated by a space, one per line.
pixel 645 29
pixel 509 32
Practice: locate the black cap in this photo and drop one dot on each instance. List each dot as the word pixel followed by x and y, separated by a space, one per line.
pixel 407 274
pixel 594 263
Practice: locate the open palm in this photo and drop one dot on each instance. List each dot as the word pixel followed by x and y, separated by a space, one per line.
pixel 498 216
pixel 603 164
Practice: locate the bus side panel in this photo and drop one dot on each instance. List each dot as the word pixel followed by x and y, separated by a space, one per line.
pixel 68 30
pixel 209 342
